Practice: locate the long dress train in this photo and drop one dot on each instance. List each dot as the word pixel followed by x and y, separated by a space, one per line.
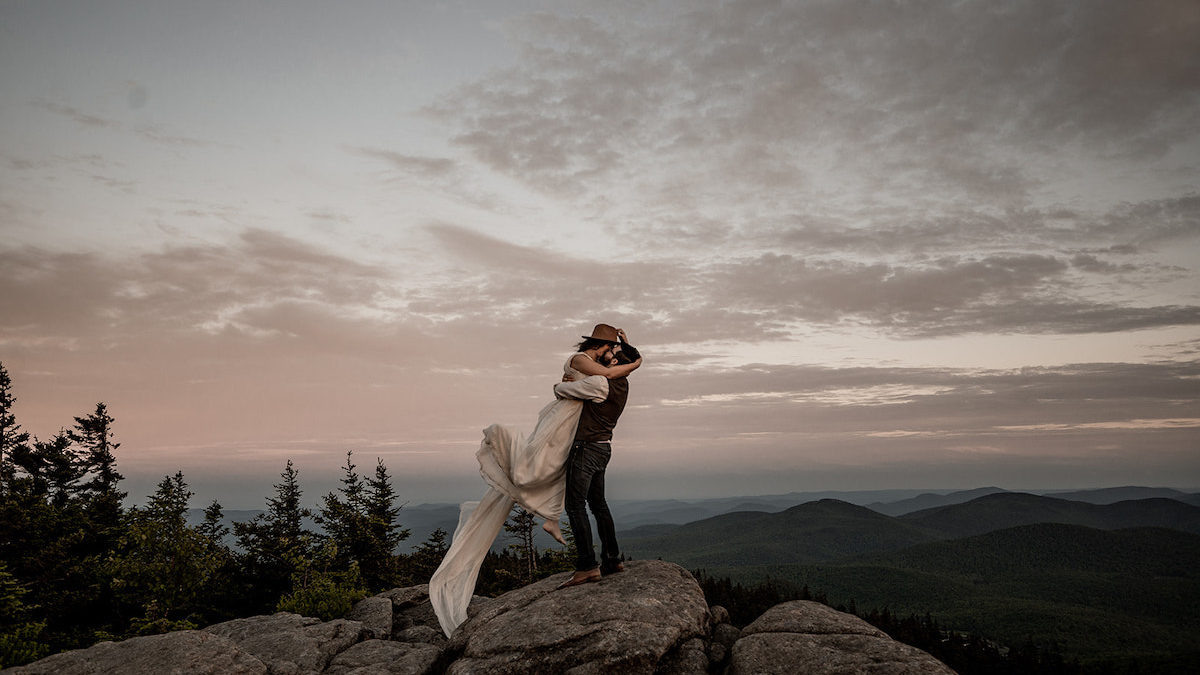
pixel 529 472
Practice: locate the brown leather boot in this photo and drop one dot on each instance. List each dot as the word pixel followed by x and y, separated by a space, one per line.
pixel 578 578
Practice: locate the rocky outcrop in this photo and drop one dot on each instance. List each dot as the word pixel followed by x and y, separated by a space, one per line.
pixel 625 623
pixel 808 637
pixel 649 619
pixel 290 643
pixel 188 651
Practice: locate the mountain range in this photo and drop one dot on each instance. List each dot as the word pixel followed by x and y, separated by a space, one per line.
pixel 1109 583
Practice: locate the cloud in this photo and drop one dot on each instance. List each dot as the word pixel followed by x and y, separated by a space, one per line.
pixel 866 139
pixel 412 164
pixel 82 118
pixel 770 94
pixel 148 132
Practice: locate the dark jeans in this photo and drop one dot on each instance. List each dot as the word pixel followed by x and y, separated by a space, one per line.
pixel 585 485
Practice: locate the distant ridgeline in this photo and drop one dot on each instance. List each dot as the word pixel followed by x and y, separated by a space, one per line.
pixel 1107 584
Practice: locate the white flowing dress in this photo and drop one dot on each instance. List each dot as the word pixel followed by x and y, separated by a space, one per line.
pixel 526 471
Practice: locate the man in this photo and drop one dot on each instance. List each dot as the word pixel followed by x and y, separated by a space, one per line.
pixel 591 451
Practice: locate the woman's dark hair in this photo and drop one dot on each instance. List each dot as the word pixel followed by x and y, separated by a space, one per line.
pixel 590 343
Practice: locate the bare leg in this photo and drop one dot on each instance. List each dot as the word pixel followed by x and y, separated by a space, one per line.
pixel 551 528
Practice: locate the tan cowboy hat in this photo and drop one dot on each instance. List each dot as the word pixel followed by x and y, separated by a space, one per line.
pixel 604 332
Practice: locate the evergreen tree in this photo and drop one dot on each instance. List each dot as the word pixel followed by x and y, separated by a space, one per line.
pixel 360 525
pixel 222 598
pixel 94 433
pixel 19 632
pixel 274 544
pixel 213 529
pixel 381 567
pixel 343 518
pixel 94 436
pixel 520 526
pixel 163 569
pixel 12 439
pixel 61 468
pixel 424 560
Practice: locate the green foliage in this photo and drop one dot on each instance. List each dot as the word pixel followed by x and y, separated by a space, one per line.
pixel 12 439
pixel 273 544
pixel 519 527
pixel 162 570
pixel 21 643
pixel 321 588
pixel 360 526
pixel 20 637
pixel 424 561
pixel 1101 597
pixel 93 435
pixel 965 653
pixel 507 570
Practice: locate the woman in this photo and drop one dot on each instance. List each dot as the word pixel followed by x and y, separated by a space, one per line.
pixel 529 472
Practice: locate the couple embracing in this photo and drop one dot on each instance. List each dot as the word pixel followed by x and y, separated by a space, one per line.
pixel 562 463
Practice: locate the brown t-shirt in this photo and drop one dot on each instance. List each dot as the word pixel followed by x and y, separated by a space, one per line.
pixel 597 420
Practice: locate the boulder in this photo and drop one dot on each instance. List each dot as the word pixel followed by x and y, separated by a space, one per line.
pixel 384 657
pixel 407 596
pixel 627 623
pixel 187 651
pixel 719 614
pixel 808 637
pixel 375 615
pixel 289 643
pixel 426 634
pixel 688 658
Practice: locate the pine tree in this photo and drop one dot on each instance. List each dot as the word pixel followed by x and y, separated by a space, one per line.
pixel 520 526
pixel 381 568
pixel 274 544
pixel 284 512
pixel 343 518
pixel 94 436
pixel 12 439
pixel 424 560
pixel 361 525
pixel 19 633
pixel 61 468
pixel 163 570
pixel 212 529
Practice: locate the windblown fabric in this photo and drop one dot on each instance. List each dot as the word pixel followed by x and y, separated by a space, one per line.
pixel 529 472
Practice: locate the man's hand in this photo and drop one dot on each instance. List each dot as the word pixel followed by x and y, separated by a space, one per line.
pixel 567 378
pixel 621 334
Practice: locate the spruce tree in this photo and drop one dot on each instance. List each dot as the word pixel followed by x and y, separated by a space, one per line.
pixel 520 526
pixel 360 525
pixel 61 468
pixel 163 569
pixel 381 569
pixel 274 545
pixel 12 439
pixel 424 560
pixel 94 435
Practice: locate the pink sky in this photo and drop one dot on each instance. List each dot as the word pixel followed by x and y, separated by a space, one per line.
pixel 862 246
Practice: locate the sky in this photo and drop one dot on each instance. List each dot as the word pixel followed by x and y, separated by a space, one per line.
pixel 862 245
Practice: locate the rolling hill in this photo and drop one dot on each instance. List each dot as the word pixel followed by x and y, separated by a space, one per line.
pixel 1099 594
pixel 1010 509
pixel 930 500
pixel 811 532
